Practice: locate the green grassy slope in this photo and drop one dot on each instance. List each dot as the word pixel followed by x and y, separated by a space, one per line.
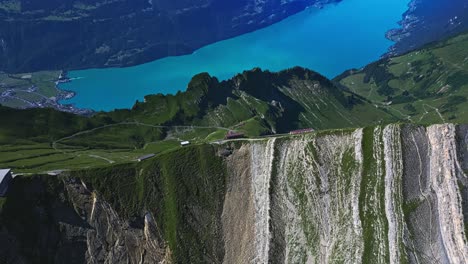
pixel 256 102
pixel 424 86
pixel 277 102
pixel 40 125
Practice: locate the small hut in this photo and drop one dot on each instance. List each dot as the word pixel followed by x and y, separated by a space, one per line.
pixel 145 157
pixel 5 179
pixel 234 135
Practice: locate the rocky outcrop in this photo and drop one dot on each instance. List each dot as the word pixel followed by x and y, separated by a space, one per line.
pixel 111 239
pixel 75 225
pixel 387 194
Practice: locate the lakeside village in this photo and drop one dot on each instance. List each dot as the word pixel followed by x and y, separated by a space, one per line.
pixel 32 97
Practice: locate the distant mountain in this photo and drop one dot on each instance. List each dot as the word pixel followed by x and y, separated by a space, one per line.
pixel 428 21
pixel 72 34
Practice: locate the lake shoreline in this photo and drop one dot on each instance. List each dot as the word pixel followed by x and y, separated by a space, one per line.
pixel 174 73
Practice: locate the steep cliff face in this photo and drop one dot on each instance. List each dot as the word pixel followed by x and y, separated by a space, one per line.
pixel 383 195
pixel 51 221
pixel 392 194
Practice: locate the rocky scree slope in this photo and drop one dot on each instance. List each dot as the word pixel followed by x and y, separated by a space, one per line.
pixel 386 194
pixel 72 34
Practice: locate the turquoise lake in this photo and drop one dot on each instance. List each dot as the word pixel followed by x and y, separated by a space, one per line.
pixel 331 40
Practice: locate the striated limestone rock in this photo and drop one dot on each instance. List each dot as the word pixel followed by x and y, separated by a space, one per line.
pixel 445 171
pixel 390 194
pixel 238 222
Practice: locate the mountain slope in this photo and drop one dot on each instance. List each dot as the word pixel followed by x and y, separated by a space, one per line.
pixel 72 34
pixel 429 85
pixel 255 102
pixel 428 21
pixel 386 194
pixel 293 98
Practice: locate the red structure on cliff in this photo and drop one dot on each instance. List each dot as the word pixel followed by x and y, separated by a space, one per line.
pixel 301 131
pixel 233 135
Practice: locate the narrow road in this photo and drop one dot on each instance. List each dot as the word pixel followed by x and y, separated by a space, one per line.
pixel 99 157
pixel 223 141
pixel 54 144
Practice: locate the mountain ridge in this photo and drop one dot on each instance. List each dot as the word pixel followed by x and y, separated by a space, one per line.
pixel 267 102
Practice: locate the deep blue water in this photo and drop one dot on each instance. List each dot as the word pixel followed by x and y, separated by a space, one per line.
pixel 339 37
